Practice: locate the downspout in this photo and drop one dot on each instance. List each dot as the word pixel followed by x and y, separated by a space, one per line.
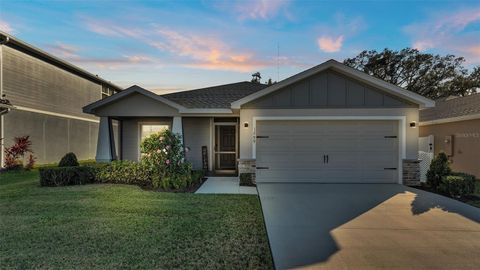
pixel 3 40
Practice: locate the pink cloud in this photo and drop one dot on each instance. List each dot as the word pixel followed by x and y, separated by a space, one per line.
pixel 106 28
pixel 330 44
pixel 259 9
pixel 189 49
pixel 63 50
pixel 73 54
pixel 206 52
pixel 333 36
pixel 6 27
pixel 448 32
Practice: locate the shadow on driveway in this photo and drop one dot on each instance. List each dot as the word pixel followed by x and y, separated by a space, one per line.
pixel 355 226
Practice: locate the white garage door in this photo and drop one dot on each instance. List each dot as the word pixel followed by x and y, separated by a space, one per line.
pixel 327 151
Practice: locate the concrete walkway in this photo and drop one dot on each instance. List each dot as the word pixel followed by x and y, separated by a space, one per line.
pixel 224 185
pixel 368 226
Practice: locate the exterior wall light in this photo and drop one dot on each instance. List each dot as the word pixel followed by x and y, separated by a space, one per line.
pixel 413 124
pixel 245 124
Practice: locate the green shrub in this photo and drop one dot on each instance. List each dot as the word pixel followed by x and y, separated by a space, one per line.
pixel 439 168
pixel 126 172
pixel 69 160
pixel 164 152
pixel 197 176
pixel 469 181
pixel 454 186
pixel 65 176
pixel 246 179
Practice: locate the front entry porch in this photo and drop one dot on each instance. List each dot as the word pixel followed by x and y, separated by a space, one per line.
pixel 211 142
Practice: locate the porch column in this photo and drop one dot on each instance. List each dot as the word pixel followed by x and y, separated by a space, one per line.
pixel 105 142
pixel 177 125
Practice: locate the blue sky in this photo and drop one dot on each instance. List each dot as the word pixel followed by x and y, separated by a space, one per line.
pixel 174 45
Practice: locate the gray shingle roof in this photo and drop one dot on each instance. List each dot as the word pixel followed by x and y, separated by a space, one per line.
pixel 452 107
pixel 218 97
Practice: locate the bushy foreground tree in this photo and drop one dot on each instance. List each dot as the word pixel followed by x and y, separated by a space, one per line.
pixel 430 75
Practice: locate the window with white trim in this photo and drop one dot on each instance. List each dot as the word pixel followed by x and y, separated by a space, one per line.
pixel 107 91
pixel 148 129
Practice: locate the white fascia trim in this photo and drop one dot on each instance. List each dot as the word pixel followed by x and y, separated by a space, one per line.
pixel 68 116
pixel 402 131
pixel 450 120
pixel 363 77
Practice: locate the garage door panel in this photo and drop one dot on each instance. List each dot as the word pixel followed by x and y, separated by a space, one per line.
pixel 286 159
pixel 358 151
pixel 272 145
pixel 322 176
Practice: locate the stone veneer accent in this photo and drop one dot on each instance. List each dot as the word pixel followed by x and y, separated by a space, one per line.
pixel 411 172
pixel 247 166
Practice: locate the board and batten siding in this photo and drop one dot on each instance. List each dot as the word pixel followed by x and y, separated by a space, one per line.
pixel 328 89
pixel 33 83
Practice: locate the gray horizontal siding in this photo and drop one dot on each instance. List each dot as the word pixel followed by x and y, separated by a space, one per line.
pixel 328 89
pixel 33 83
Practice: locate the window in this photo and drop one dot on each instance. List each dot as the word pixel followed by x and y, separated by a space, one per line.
pixel 149 129
pixel 107 91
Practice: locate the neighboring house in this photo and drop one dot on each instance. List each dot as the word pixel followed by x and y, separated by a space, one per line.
pixel 454 124
pixel 47 95
pixel 330 123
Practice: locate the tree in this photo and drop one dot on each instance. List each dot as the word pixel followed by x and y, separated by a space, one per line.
pixel 270 82
pixel 256 77
pixel 433 76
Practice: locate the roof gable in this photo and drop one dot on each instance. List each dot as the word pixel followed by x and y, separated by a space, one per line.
pixel 328 89
pixel 133 90
pixel 390 89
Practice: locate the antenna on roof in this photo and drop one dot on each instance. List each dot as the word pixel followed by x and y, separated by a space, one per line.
pixel 278 61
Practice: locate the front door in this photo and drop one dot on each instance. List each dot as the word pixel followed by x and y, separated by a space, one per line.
pixel 225 148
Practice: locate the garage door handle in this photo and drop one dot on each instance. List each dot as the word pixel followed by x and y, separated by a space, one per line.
pixel 262 168
pixel 389 168
pixel 392 137
pixel 263 137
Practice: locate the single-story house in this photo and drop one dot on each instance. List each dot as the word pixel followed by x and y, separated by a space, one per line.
pixel 330 123
pixel 453 127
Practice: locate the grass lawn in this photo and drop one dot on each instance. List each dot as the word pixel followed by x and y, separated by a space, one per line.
pixel 118 226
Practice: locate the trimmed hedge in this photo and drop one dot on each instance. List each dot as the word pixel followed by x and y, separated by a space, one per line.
pixel 457 184
pixel 469 180
pixel 118 172
pixel 65 176
pixel 126 172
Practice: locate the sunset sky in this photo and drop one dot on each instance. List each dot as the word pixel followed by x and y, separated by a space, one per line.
pixel 175 45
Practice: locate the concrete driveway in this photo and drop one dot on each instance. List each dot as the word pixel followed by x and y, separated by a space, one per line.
pixel 368 226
